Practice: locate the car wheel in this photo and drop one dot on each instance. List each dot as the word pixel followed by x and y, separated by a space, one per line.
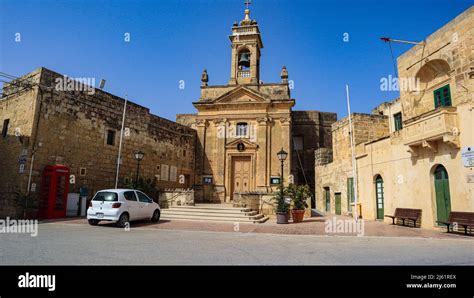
pixel 123 220
pixel 93 222
pixel 156 216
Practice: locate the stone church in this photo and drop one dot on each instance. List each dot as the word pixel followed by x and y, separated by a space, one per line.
pixel 228 149
pixel 242 125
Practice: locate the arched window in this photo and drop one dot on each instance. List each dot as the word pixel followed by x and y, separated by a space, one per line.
pixel 241 129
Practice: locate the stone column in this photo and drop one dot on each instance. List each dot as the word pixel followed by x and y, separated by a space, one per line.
pixel 285 123
pixel 200 155
pixel 262 168
pixel 233 66
pixel 219 158
pixel 253 65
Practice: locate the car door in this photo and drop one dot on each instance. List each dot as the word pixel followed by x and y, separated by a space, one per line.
pixel 132 204
pixel 146 205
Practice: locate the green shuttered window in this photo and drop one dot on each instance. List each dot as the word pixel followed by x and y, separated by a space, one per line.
pixel 442 97
pixel 397 118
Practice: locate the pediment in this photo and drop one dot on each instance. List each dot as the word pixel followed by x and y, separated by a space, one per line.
pixel 241 95
pixel 248 145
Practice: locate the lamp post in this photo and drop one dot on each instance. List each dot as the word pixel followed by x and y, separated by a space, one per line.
pixel 138 156
pixel 282 154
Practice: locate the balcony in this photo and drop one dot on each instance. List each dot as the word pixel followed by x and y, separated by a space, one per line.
pixel 432 127
pixel 245 30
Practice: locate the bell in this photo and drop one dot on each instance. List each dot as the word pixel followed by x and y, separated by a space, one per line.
pixel 244 59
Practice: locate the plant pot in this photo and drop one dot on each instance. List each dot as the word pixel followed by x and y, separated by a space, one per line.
pixel 282 218
pixel 298 215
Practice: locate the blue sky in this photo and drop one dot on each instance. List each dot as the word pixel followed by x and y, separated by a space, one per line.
pixel 175 40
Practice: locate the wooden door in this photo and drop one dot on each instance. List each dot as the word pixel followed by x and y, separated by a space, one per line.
pixel 327 196
pixel 443 198
pixel 337 202
pixel 241 175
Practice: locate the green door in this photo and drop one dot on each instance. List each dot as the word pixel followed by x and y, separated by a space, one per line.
pixel 379 196
pixel 337 198
pixel 443 199
pixel 327 198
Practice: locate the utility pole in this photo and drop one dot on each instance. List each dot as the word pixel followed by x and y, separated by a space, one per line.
pixel 119 157
pixel 354 165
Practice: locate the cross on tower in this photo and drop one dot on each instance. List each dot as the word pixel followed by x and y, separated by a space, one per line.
pixel 247 3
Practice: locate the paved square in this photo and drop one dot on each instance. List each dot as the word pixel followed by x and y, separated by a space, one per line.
pixel 74 242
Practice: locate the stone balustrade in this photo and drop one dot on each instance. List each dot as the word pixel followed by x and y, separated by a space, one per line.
pixel 171 197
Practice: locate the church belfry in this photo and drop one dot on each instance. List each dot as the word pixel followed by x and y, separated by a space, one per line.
pixel 246 45
pixel 241 126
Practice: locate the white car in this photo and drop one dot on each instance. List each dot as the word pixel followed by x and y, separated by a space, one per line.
pixel 121 206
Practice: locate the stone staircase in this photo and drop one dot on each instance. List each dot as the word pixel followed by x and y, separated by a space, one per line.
pixel 213 212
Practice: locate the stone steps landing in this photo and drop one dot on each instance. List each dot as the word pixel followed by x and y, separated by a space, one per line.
pixel 213 212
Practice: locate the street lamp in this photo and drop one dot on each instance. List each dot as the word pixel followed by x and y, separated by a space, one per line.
pixel 282 154
pixel 138 156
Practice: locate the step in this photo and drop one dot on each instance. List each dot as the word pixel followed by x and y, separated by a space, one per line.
pixel 203 214
pixel 208 213
pixel 214 218
pixel 233 209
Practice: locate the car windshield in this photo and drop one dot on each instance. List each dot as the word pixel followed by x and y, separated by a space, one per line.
pixel 106 196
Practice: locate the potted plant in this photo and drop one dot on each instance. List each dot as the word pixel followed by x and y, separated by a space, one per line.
pixel 282 207
pixel 299 194
pixel 28 205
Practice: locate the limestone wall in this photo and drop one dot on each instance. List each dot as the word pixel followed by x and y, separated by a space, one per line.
pixel 310 130
pixel 445 58
pixel 334 167
pixel 409 182
pixel 19 106
pixel 72 130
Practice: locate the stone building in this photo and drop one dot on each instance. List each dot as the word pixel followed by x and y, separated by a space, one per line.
pixel 42 125
pixel 417 151
pixel 242 125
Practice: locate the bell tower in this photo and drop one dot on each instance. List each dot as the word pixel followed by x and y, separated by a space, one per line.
pixel 246 44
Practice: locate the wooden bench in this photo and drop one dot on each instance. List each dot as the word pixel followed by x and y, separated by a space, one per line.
pixel 406 214
pixel 463 219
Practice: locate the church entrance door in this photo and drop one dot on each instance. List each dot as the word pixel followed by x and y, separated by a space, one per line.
pixel 240 174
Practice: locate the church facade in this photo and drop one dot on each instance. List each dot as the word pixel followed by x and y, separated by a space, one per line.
pixel 242 125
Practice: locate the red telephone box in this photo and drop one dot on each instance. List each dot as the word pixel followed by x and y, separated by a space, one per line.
pixel 54 190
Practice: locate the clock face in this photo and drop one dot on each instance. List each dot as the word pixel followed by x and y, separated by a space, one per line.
pixel 240 147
